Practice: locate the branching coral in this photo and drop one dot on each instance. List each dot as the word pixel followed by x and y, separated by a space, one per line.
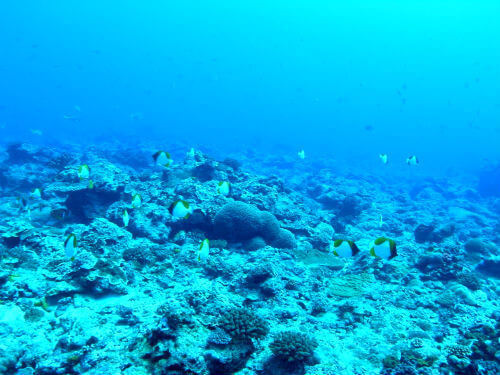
pixel 293 346
pixel 243 324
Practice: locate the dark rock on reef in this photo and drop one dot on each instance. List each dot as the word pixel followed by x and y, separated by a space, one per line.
pixel 204 172
pixel 346 206
pixel 476 246
pixel 439 266
pixel 87 204
pixel 21 153
pixel 424 233
pixel 490 267
pixel 230 359
pixel 232 163
pixel 481 367
pixel 428 233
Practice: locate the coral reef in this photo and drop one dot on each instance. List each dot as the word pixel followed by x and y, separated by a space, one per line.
pixel 269 298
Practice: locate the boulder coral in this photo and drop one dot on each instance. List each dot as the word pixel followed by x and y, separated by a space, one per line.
pixel 239 222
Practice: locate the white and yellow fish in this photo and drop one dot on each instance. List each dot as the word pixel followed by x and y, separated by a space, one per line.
pixel 125 218
pixel 412 160
pixel 344 248
pixel 204 250
pixel 301 154
pixel 83 172
pixel 136 201
pixel 180 209
pixel 162 159
pixel 383 158
pixel 70 246
pixel 224 188
pixel 384 248
pixel 36 193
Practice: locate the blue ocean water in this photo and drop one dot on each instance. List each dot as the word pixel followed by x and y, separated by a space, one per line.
pixel 306 141
pixel 422 75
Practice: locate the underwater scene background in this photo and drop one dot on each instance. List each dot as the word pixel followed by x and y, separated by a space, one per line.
pixel 253 188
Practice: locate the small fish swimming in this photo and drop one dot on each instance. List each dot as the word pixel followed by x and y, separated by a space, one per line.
pixel 125 218
pixel 22 203
pixel 384 248
pixel 36 132
pixel 191 153
pixel 36 193
pixel 180 209
pixel 162 159
pixel 70 246
pixel 344 248
pixel 83 172
pixel 204 250
pixel 136 116
pixel 412 160
pixel 71 117
pixel 383 158
pixel 224 188
pixel 136 201
pixel 301 154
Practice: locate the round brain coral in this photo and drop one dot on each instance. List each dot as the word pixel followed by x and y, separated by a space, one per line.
pixel 239 222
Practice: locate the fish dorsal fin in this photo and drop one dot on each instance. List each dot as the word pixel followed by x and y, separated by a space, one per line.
pixel 71 237
pixel 156 155
pixel 392 246
pixel 354 247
